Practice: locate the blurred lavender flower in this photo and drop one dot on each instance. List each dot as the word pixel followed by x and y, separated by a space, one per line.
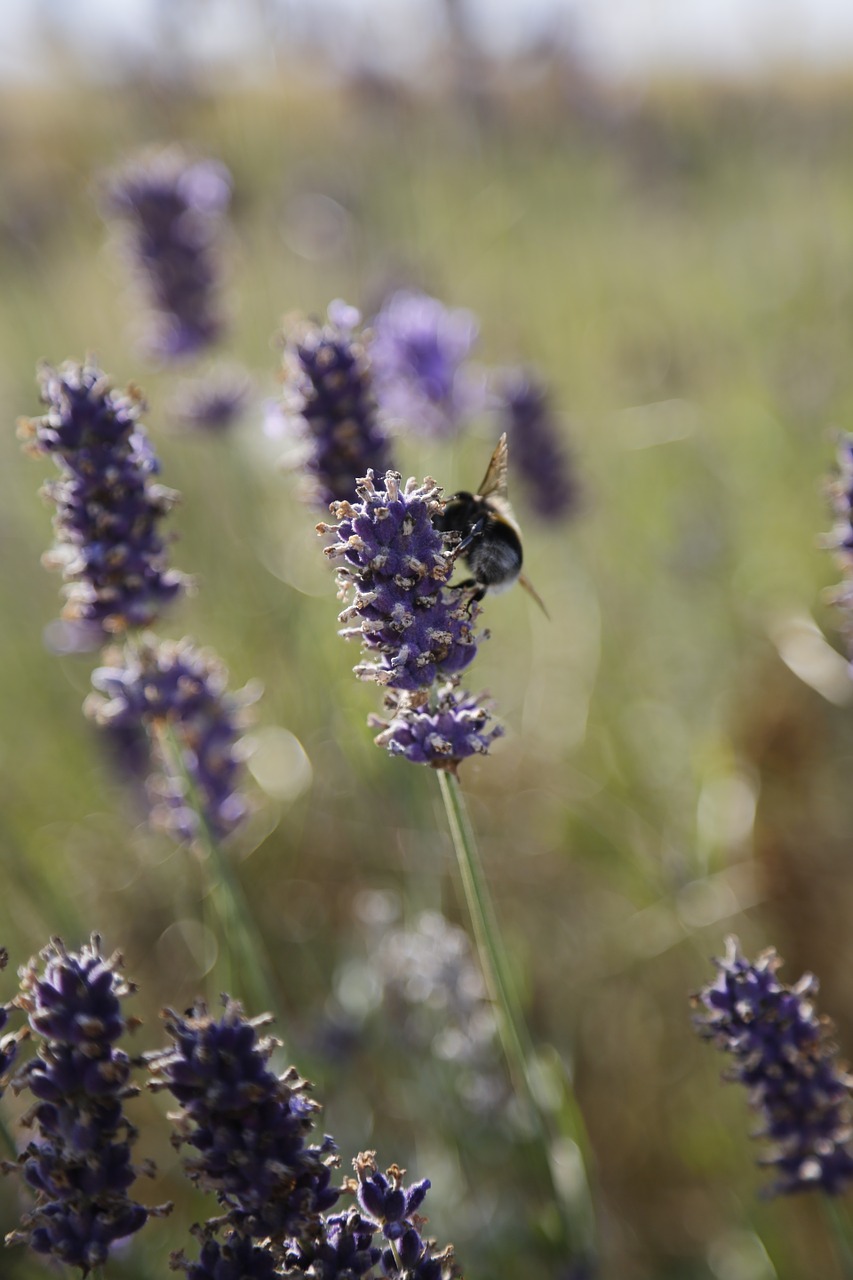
pixel 395 570
pixel 428 967
pixel 108 547
pixel 172 209
pixel 441 735
pixel 80 1165
pixel 329 399
pixel 840 539
pixel 179 695
pixel 419 351
pixel 537 451
pixel 214 403
pixel 784 1055
pixel 249 1127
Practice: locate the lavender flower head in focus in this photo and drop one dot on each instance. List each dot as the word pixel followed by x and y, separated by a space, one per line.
pixel 172 208
pixel 80 1166
pixel 415 629
pixel 534 436
pixel 329 400
pixel 249 1127
pixel 420 351
pixel 178 694
pixel 453 726
pixel 783 1053
pixel 394 576
pixel 108 506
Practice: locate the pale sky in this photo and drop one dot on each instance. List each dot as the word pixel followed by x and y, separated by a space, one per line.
pixel 622 37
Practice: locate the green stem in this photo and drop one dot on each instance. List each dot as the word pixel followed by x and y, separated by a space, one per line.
pixel 575 1204
pixel 8 1140
pixel 839 1225
pixel 240 935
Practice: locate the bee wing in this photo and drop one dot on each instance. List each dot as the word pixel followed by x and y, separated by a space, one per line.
pixel 494 487
pixel 494 481
pixel 524 581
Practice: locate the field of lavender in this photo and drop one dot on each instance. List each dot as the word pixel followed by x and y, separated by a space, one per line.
pixel 676 277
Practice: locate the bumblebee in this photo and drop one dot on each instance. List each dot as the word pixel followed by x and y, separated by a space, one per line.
pixel 489 536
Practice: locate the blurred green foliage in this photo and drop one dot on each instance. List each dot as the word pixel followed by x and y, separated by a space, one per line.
pixel 678 736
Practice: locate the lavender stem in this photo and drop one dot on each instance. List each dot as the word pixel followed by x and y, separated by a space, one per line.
pixel 576 1208
pixel 235 915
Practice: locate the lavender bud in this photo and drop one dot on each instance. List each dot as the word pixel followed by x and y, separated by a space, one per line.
pixel 343 1251
pixel 329 397
pixel 783 1053
pixel 537 451
pixel 80 1165
pixel 440 735
pixel 383 1196
pixel 238 1258
pixel 395 1209
pixel 108 547
pixel 172 209
pixel 419 350
pixel 179 695
pixel 249 1127
pixel 395 570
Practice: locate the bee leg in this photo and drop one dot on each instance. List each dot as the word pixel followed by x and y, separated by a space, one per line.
pixel 471 537
pixel 477 591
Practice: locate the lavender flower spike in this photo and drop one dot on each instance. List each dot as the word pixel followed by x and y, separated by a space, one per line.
pixel 172 209
pixel 443 735
pixel 329 396
pixel 533 432
pixel 178 694
pixel 248 1126
pixel 783 1053
pixel 394 574
pixel 80 1165
pixel 419 350
pixel 108 546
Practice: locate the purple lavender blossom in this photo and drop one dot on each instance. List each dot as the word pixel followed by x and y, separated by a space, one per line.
pixel 440 735
pixel 172 209
pixel 419 351
pixel 537 451
pixel 394 1207
pixel 329 398
pixel 80 1165
pixel 343 1251
pixel 249 1127
pixel 783 1053
pixel 395 570
pixel 214 403
pixel 178 694
pixel 383 1196
pixel 238 1258
pixel 108 547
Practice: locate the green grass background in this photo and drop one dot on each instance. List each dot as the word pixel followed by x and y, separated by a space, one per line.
pixel 680 269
